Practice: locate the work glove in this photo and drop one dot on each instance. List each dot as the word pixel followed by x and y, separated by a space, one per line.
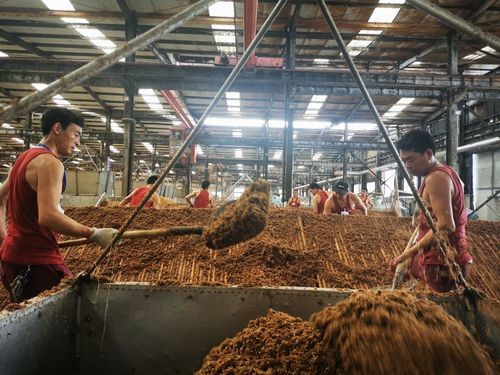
pixel 103 236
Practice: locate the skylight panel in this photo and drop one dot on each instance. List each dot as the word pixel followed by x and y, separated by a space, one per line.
pixel 356 126
pixel 240 166
pixel 199 150
pixel 7 126
pixel 278 154
pixel 90 32
pixel 237 133
pixel 149 147
pixel 238 153
pixel 103 44
pixel 406 101
pixel 383 15
pixel 317 156
pixel 488 49
pixel 315 105
pixel 370 32
pixel 39 86
pixel 58 99
pixel 113 149
pixel 221 9
pixel 18 140
pixel 3 54
pixel 59 5
pixel 73 20
pixel 359 43
pixel 392 1
pixel 321 61
pixel 115 127
pixel 474 56
pixel 355 52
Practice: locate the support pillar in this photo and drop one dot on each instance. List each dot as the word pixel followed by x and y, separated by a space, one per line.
pixel 128 154
pixel 344 158
pixel 107 138
pixel 187 183
pixel 288 158
pixel 28 127
pixel 265 155
pixel 451 112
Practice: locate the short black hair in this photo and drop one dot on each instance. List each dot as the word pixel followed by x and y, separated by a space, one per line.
pixel 314 185
pixel 151 179
pixel 417 140
pixel 205 184
pixel 63 115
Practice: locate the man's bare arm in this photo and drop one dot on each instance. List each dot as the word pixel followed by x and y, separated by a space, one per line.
pixel 359 203
pixel 315 202
pixel 190 196
pixel 49 176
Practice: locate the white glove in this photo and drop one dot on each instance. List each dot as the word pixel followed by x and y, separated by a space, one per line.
pixel 103 236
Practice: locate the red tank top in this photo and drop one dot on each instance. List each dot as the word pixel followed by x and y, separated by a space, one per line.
pixel 295 202
pixel 137 196
pixel 337 209
pixel 458 239
pixel 202 200
pixel 321 205
pixel 27 242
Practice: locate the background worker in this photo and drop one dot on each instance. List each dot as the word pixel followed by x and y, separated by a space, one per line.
pixel 135 197
pixel 342 200
pixel 294 200
pixel 319 197
pixel 365 198
pixel 200 198
pixel 443 194
pixel 30 258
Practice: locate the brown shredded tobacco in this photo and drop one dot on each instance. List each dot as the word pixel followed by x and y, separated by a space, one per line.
pixel 296 248
pixel 396 333
pixel 274 344
pixel 239 220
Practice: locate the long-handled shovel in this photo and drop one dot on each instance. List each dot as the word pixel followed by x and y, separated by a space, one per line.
pixel 402 267
pixel 232 223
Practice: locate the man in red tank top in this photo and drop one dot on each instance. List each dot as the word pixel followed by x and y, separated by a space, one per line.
pixel 30 258
pixel 294 200
pixel 365 198
pixel 342 200
pixel 200 198
pixel 319 197
pixel 135 198
pixel 443 193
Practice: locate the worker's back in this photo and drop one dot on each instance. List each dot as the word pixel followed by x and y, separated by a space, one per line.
pixel 137 196
pixel 202 200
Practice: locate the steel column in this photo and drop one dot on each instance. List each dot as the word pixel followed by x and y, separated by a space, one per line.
pixel 456 22
pixel 128 155
pixel 250 24
pixel 90 69
pixel 288 161
pixel 451 116
pixel 28 127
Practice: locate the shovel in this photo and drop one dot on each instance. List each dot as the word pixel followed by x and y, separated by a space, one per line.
pixel 232 223
pixel 402 267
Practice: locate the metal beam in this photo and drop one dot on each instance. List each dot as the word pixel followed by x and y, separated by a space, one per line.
pixel 451 115
pixel 96 66
pixel 456 22
pixel 97 98
pixel 27 46
pixel 176 77
pixel 250 24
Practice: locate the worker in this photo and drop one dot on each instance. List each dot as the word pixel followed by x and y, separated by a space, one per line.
pixel 200 198
pixel 365 198
pixel 319 197
pixel 30 258
pixel 443 194
pixel 294 200
pixel 135 197
pixel 344 202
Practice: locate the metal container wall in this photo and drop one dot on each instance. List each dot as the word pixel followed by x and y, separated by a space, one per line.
pixel 40 339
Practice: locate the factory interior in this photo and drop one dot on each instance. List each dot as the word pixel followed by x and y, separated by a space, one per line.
pixel 250 187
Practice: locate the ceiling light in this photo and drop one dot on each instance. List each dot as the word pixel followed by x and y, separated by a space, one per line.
pixel 383 15
pixel 59 4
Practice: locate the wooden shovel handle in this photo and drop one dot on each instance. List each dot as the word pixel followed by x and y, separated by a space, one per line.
pixel 152 233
